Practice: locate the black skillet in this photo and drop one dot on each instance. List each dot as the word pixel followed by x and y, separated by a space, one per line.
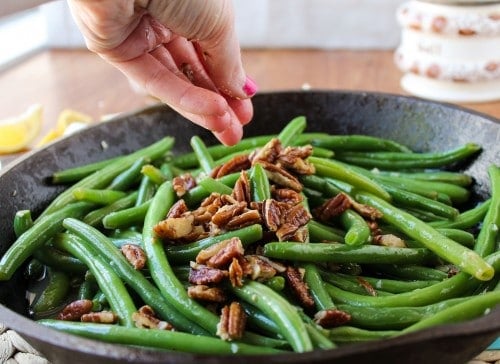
pixel 422 125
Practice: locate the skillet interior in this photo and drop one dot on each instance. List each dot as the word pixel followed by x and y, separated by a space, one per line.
pixel 421 125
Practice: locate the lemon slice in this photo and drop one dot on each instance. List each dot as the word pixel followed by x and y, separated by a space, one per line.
pixel 18 132
pixel 67 120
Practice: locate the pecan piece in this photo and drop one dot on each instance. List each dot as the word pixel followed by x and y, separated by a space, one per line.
pixel 293 159
pixel 236 164
pixel 206 293
pixel 281 177
pixel 145 318
pixel 366 211
pixel 75 310
pixel 262 269
pixel 299 287
pixel 268 153
pixel 178 209
pixel 331 318
pixel 286 195
pixel 135 255
pixel 236 273
pixel 175 227
pixel 227 212
pixel 247 218
pixel 183 183
pixel 367 286
pixel 102 317
pixel 294 218
pixel 271 212
pixel 224 256
pixel 333 207
pixel 389 240
pixel 241 189
pixel 232 322
pixel 201 274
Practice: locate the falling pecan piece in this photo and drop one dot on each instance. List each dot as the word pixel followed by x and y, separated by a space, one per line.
pixel 75 310
pixel 232 322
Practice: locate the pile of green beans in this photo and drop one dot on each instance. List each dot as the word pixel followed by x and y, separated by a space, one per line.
pixel 445 271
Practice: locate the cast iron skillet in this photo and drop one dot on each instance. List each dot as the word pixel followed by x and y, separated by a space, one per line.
pixel 419 124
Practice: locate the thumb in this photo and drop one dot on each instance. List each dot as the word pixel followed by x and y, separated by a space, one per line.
pixel 210 25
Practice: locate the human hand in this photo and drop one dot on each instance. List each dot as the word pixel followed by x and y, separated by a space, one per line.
pixel 184 52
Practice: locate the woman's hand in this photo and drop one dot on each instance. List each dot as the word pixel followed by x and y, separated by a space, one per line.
pixel 185 52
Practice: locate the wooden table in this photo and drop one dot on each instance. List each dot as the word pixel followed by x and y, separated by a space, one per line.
pixel 80 80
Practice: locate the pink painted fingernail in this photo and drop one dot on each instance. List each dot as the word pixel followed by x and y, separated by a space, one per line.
pixel 250 87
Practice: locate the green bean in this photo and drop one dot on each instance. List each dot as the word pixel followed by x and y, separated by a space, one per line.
pixel 53 294
pixel 488 235
pixel 126 217
pixel 56 259
pixel 466 219
pixel 352 286
pixel 103 177
pixel 279 310
pixel 358 231
pixel 322 233
pixel 322 152
pixel 212 185
pixel 22 222
pixel 128 177
pixel 95 217
pixel 44 229
pixel 205 160
pixel 276 283
pixel 390 285
pixel 398 160
pixel 126 236
pixel 198 193
pixel 181 254
pixel 335 169
pixel 320 184
pixel 341 253
pixel 348 334
pixel 162 339
pixel 160 268
pixel 292 129
pixel 460 236
pixel 145 192
pixel 75 174
pixel 259 183
pixel 457 178
pixel 447 249
pixel 475 306
pixel 354 142
pixel 405 198
pixel 100 197
pixel 317 289
pixel 150 294
pixel 425 216
pixel 108 281
pixel 154 174
pixel 34 270
pixel 413 272
pixel 394 318
pixel 258 320
pixel 87 289
pixel 319 340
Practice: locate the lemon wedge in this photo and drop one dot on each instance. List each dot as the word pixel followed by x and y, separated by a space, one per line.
pixel 18 132
pixel 67 120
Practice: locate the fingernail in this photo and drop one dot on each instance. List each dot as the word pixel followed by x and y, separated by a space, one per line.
pixel 250 87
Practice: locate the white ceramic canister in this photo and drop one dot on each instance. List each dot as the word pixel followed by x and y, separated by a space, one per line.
pixel 450 50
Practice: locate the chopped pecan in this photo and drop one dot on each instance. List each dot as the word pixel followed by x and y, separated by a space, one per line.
pixel 102 317
pixel 268 153
pixel 75 310
pixel 373 225
pixel 178 209
pixel 232 322
pixel 202 274
pixel 175 227
pixel 241 189
pixel 272 211
pixel 389 240
pixel 331 318
pixel 366 211
pixel 236 273
pixel 183 183
pixel 299 287
pixel 135 255
pixel 286 195
pixel 236 164
pixel 145 318
pixel 367 286
pixel 227 212
pixel 206 293
pixel 246 218
pixel 333 207
pixel 224 256
pixel 293 159
pixel 262 269
pixel 281 177
pixel 300 235
pixel 294 218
